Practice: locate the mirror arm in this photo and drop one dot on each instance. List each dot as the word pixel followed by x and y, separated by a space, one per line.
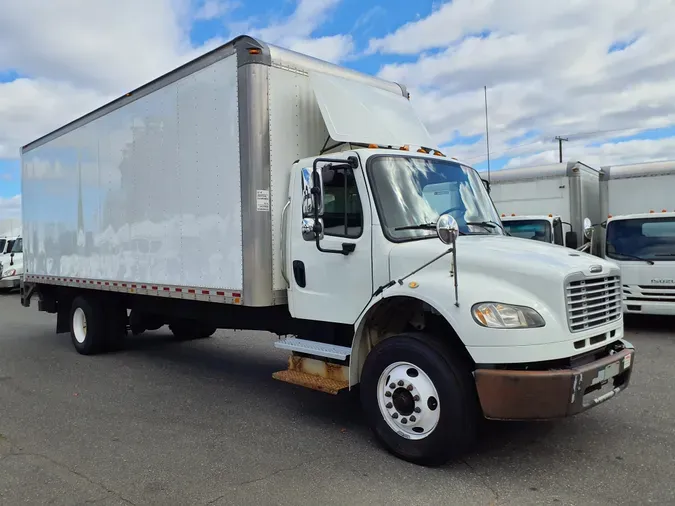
pixel 352 163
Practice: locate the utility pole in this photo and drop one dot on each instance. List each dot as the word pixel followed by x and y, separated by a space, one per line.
pixel 487 132
pixel 560 141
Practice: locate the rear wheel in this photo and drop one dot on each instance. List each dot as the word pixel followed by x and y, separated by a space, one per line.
pixel 87 328
pixel 420 399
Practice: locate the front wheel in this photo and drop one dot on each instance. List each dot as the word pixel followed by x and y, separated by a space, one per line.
pixel 420 399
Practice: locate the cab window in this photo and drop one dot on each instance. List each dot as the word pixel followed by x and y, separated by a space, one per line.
pixel 343 215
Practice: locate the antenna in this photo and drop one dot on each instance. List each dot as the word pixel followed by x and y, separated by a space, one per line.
pixel 487 132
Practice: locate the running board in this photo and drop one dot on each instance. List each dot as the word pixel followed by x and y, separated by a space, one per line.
pixel 314 348
pixel 315 374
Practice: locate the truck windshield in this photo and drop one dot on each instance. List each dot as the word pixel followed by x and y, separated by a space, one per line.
pixel 411 191
pixel 18 246
pixel 539 230
pixel 2 245
pixel 649 239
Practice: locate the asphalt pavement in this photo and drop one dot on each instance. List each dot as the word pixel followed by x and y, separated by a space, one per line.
pixel 168 423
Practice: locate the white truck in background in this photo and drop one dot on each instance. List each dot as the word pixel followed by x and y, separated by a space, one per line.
pixel 548 203
pixel 638 201
pixel 11 260
pixel 260 189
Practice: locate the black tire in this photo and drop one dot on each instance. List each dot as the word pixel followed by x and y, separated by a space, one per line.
pixel 457 398
pixel 116 327
pixel 92 339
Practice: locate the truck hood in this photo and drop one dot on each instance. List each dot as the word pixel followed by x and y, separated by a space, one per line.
pixel 500 256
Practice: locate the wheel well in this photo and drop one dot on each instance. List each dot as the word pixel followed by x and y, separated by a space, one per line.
pixel 395 315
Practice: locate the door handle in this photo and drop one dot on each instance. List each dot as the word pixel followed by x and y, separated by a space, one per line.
pixel 299 273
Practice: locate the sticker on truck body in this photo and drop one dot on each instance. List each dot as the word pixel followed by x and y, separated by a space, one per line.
pixel 262 200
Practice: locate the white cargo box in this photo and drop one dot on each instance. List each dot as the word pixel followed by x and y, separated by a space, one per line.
pixel 177 188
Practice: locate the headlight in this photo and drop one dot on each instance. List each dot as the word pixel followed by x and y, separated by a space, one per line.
pixel 8 273
pixel 505 316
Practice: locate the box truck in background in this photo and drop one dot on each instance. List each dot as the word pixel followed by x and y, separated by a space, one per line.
pixel 11 259
pixel 638 201
pixel 548 203
pixel 256 188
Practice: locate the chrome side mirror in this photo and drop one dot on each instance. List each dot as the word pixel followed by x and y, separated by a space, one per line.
pixel 588 228
pixel 447 229
pixel 312 192
pixel 310 230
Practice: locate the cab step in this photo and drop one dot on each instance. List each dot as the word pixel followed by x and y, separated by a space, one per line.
pixel 314 348
pixel 315 374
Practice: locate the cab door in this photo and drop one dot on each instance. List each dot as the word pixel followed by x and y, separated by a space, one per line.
pixel 330 280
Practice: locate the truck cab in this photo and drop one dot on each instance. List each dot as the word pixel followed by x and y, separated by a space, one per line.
pixel 544 228
pixel 644 247
pixel 639 233
pixel 11 263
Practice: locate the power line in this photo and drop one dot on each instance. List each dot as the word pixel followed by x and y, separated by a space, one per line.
pixel 569 137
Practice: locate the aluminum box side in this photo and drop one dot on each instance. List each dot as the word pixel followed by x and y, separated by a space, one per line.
pixel 145 190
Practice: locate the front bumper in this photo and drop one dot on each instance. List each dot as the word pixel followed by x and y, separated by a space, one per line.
pixel 555 393
pixel 9 283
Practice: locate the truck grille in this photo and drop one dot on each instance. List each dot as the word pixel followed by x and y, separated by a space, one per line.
pixel 649 293
pixel 592 302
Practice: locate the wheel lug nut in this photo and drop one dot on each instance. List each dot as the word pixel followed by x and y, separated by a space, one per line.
pixel 412 418
pixel 387 393
pixel 389 405
pixel 400 383
pixel 409 387
pixel 416 398
pixel 418 410
pixel 403 420
pixel 392 385
pixel 395 415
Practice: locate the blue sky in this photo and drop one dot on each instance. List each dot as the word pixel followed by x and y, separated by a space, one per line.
pixel 598 71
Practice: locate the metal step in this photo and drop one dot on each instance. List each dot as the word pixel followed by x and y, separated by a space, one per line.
pixel 314 348
pixel 330 386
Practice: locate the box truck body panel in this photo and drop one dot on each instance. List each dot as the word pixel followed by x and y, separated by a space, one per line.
pixel 147 193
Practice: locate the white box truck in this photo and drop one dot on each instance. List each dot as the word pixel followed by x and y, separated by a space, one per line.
pixel 548 203
pixel 260 189
pixel 639 203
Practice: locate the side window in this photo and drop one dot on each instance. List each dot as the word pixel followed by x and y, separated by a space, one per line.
pixel 558 233
pixel 343 215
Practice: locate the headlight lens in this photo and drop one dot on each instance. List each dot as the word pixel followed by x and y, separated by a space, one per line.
pixel 496 315
pixel 8 273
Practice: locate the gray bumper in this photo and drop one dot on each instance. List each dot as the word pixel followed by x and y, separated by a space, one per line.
pixel 9 283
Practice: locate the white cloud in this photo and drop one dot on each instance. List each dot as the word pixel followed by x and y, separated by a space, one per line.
pixel 10 209
pixel 295 32
pixel 78 55
pixel 547 69
pixel 214 9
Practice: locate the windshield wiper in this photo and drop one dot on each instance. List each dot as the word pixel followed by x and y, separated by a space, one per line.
pixel 634 257
pixel 419 226
pixel 665 255
pixel 487 224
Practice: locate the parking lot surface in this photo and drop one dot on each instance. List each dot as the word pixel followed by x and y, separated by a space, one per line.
pixel 203 422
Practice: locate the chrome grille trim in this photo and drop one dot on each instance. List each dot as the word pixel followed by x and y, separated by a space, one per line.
pixel 592 301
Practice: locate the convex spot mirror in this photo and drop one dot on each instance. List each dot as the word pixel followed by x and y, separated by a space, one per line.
pixel 588 228
pixel 447 229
